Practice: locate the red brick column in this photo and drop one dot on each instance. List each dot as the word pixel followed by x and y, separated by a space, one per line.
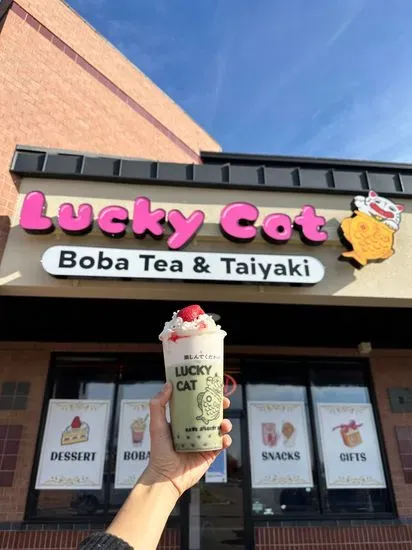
pixel 66 540
pixel 366 537
pixel 394 372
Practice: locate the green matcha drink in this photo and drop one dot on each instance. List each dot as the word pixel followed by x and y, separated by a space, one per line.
pixel 193 356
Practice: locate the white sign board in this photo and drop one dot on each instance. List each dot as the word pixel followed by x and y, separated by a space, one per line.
pixel 279 445
pixel 350 446
pixel 74 444
pixel 217 472
pixel 83 261
pixel 133 444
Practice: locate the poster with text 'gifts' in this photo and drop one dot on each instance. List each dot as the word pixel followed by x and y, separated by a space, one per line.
pixel 74 444
pixel 133 444
pixel 279 445
pixel 350 446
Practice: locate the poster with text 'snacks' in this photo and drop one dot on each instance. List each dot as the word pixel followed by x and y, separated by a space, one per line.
pixel 133 443
pixel 74 444
pixel 279 445
pixel 350 446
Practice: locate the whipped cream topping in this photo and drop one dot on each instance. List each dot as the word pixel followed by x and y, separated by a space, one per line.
pixel 178 327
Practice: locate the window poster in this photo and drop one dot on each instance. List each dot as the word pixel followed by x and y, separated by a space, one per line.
pixel 279 445
pixel 217 472
pixel 350 446
pixel 74 444
pixel 133 445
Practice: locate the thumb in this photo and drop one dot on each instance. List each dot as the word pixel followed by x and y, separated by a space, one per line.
pixel 158 408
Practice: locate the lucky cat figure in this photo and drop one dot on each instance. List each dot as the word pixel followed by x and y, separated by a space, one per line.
pixel 383 210
pixel 369 233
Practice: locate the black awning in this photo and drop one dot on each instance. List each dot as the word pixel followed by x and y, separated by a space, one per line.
pixel 133 321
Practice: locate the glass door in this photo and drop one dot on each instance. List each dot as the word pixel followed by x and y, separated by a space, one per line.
pixel 216 514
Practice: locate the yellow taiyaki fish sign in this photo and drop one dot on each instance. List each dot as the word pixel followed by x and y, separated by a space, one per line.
pixel 369 233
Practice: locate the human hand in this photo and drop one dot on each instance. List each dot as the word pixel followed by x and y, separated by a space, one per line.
pixel 183 470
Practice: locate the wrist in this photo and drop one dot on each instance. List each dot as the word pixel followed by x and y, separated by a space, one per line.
pixel 142 518
pixel 160 484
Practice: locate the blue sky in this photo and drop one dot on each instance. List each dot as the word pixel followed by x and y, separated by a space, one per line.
pixel 329 78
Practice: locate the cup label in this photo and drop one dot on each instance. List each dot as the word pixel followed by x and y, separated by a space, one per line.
pixel 196 407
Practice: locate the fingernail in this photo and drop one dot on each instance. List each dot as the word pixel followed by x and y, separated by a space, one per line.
pixel 166 386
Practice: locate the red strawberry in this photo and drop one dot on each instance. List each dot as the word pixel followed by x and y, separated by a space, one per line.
pixel 190 313
pixel 76 422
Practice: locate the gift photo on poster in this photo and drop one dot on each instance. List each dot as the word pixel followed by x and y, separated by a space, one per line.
pixel 350 433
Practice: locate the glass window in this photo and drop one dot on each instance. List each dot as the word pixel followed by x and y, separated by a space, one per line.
pixel 313 382
pixel 304 381
pixel 138 381
pixel 113 379
pixel 281 381
pixel 80 379
pixel 336 385
pixel 233 385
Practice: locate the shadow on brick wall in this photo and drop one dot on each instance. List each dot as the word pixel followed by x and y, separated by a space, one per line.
pixel 5 224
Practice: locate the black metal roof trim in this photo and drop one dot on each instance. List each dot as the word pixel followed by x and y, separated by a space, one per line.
pixel 212 157
pixel 221 170
pixel 4 7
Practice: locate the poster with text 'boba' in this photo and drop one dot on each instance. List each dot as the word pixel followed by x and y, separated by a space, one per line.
pixel 74 444
pixel 279 445
pixel 350 446
pixel 133 443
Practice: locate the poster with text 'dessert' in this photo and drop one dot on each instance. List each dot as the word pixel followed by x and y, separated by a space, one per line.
pixel 133 444
pixel 74 444
pixel 350 446
pixel 279 445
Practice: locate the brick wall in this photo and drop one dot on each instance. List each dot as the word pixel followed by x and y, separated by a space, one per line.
pixel 64 86
pixel 367 537
pixel 63 21
pixel 394 372
pixel 15 366
pixel 66 539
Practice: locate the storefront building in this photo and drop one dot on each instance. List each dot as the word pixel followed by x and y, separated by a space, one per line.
pixel 307 263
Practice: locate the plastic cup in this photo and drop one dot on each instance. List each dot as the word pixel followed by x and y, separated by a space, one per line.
pixel 138 428
pixel 194 366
